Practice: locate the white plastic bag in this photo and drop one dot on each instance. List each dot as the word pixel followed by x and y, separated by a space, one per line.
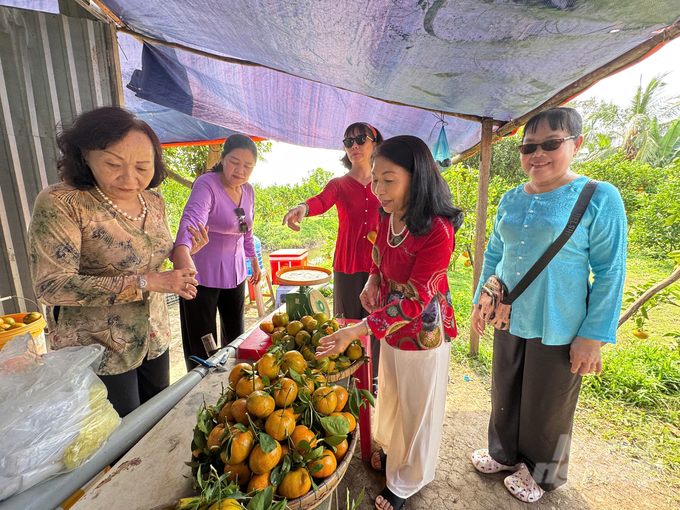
pixel 53 412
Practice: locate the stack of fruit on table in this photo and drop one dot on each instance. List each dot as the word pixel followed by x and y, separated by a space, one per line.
pixel 8 322
pixel 305 336
pixel 279 430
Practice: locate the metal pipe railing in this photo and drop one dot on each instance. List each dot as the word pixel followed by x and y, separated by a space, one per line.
pixel 52 493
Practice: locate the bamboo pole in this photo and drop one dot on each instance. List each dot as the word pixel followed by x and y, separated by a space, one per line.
pixel 627 59
pixel 480 224
pixel 674 277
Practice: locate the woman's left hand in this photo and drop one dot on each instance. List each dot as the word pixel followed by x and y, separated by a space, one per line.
pixel 199 238
pixel 257 272
pixel 585 356
pixel 339 341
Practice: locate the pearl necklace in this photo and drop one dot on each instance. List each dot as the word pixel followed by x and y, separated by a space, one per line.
pixel 118 209
pixel 398 238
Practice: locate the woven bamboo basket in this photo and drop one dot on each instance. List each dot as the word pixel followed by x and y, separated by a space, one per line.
pixel 34 328
pixel 344 373
pixel 314 498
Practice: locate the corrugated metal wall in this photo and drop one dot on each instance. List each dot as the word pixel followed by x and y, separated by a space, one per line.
pixel 52 68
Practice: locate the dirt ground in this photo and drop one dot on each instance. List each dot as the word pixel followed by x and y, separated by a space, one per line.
pixel 599 478
pixel 600 475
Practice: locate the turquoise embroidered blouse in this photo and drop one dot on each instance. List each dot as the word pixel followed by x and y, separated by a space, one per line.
pixel 561 303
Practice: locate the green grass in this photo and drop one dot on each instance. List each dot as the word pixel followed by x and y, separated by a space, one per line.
pixel 635 402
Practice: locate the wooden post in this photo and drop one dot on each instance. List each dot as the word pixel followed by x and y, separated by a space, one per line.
pixel 482 204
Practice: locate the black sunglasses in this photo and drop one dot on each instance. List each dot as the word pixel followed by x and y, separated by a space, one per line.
pixel 548 145
pixel 241 215
pixel 359 139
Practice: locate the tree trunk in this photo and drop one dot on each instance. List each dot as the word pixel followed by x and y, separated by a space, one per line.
pixel 674 277
pixel 480 225
pixel 178 178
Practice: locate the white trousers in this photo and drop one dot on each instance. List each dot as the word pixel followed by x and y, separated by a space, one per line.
pixel 409 414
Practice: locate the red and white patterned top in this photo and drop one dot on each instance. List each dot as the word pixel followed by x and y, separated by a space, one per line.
pixel 417 313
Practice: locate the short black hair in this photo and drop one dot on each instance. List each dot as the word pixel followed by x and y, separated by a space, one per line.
pixel 235 141
pixel 96 130
pixel 566 119
pixel 360 128
pixel 430 195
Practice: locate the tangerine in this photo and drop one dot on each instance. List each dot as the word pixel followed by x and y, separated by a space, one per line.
pixel 240 472
pixel 341 451
pixel 237 373
pixel 352 421
pixel 311 325
pixel 325 400
pixel 294 327
pixel 328 464
pixel 260 404
pixel 239 410
pixel 295 484
pixel 293 360
pixel 269 366
pixel 247 385
pixel 286 394
pixel 261 462
pixel 302 433
pixel 226 504
pixel 241 445
pixel 354 351
pixel 280 319
pixel 225 414
pixel 284 452
pixel 260 482
pixel 214 437
pixel 267 327
pixel 342 395
pixel 302 337
pixel 280 424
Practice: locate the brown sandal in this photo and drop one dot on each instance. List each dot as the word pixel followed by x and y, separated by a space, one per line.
pixel 383 460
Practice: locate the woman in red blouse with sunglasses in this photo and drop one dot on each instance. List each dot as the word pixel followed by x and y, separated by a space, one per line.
pixel 357 217
pixel 408 297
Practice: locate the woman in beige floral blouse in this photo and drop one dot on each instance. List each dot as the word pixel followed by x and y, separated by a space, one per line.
pixel 98 240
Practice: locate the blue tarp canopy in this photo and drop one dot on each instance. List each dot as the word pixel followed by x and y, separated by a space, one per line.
pixel 300 71
pixel 322 64
pixel 171 126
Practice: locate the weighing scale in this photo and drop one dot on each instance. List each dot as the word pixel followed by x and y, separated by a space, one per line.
pixel 306 301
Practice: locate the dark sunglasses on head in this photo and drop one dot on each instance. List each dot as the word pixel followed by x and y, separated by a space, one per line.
pixel 359 139
pixel 241 215
pixel 548 145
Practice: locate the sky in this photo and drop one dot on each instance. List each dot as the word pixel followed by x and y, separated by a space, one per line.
pixel 288 164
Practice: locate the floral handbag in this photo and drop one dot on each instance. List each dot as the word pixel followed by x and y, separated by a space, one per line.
pixel 495 303
pixel 492 309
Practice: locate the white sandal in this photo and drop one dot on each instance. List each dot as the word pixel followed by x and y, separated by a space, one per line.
pixel 484 463
pixel 523 486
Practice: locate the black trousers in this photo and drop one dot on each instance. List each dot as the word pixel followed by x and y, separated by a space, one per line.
pixel 533 400
pixel 198 318
pixel 129 390
pixel 346 304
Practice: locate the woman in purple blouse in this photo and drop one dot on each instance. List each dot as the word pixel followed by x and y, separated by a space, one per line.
pixel 224 202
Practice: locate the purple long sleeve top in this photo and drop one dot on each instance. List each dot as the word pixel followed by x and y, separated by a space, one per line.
pixel 221 264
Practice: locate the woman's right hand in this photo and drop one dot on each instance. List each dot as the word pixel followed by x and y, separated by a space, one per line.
pixel 294 217
pixel 476 322
pixel 369 296
pixel 178 281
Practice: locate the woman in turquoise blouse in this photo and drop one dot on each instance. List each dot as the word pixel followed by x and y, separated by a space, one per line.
pixel 562 319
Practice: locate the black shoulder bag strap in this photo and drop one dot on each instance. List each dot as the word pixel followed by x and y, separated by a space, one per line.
pixel 575 218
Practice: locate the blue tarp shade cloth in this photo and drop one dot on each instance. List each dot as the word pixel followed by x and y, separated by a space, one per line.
pixel 489 58
pixel 171 126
